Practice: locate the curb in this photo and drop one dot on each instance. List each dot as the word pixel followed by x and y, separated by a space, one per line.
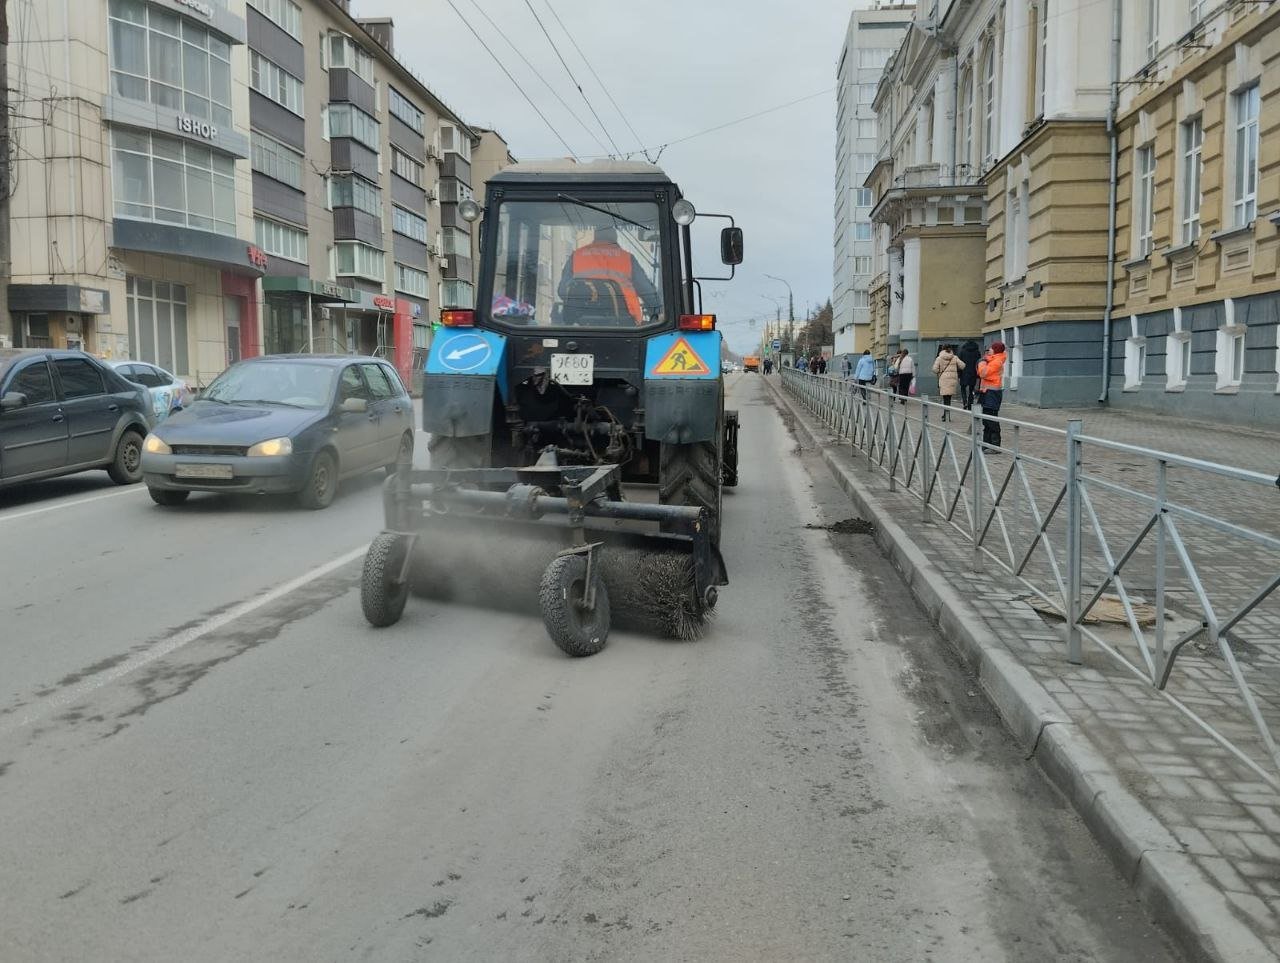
pixel 1176 891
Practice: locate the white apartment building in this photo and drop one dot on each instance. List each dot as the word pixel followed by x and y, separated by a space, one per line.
pixel 872 37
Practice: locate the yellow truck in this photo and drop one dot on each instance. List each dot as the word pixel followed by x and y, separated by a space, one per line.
pixel 751 363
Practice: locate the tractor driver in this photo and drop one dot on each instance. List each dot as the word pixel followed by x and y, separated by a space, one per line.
pixel 605 260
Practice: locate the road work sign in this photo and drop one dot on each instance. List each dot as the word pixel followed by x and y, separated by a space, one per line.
pixel 680 359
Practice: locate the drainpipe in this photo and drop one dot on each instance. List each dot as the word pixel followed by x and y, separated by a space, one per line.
pixel 1114 135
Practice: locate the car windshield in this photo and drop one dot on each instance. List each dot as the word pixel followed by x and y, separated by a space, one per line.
pixel 297 384
pixel 577 262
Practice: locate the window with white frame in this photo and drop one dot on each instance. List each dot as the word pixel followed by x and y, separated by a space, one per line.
pixel 862 163
pixel 453 241
pixel 1245 105
pixel 862 265
pixel 412 281
pixel 158 323
pixel 280 240
pixel 1177 359
pixel 345 52
pixel 862 197
pixel 166 180
pixel 1135 357
pixel 350 190
pixel 353 259
pixel 965 113
pixel 453 140
pixel 866 129
pixel 160 58
pixel 861 299
pixel 402 165
pixel 402 107
pixel 276 160
pixel 1144 198
pixel 862 231
pixel 866 93
pixel 1153 28
pixel 1192 165
pixel 285 14
pixel 408 223
pixel 1230 356
pixel 1196 8
pixel 1012 223
pixel 1042 52
pixel 348 120
pixel 275 83
pixel 874 58
pixel 455 293
pixel 989 101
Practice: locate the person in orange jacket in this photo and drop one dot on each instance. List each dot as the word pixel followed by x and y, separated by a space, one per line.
pixel 605 260
pixel 991 392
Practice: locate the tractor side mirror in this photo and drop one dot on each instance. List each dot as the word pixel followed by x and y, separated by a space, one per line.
pixel 11 400
pixel 731 245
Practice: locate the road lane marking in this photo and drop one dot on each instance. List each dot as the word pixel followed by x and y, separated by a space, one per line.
pixel 131 490
pixel 64 697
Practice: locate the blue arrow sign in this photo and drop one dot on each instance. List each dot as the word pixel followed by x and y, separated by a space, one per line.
pixel 466 351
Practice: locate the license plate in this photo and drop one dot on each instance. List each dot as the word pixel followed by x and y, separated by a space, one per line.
pixel 202 471
pixel 573 369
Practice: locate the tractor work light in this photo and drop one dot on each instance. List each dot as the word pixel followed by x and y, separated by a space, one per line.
pixel 458 318
pixel 697 322
pixel 469 210
pixel 683 212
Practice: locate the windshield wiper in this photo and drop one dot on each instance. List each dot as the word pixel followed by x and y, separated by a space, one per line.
pixel 602 210
pixel 264 401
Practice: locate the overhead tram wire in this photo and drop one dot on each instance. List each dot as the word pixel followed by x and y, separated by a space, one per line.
pixel 624 117
pixel 555 93
pixel 569 71
pixel 513 80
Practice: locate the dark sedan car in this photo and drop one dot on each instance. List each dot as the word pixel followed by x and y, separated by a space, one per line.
pixel 65 411
pixel 283 424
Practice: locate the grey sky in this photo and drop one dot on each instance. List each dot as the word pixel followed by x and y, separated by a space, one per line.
pixel 675 68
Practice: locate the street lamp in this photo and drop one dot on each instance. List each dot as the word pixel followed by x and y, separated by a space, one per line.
pixel 791 301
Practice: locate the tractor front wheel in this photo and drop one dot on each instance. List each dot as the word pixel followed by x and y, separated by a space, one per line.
pixel 575 629
pixel 382 591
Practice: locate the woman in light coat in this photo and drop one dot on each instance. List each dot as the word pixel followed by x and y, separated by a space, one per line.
pixel 948 367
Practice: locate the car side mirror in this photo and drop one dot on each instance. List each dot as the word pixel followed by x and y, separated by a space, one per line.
pixel 731 245
pixel 13 399
pixel 354 406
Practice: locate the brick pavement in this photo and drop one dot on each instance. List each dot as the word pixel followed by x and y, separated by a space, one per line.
pixel 1218 812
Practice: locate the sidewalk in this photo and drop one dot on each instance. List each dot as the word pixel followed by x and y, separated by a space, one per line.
pixel 1193 827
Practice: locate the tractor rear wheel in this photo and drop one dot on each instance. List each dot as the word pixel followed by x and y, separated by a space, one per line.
pixel 692 475
pixel 472 451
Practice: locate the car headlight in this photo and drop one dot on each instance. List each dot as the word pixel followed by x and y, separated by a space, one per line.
pixel 156 445
pixel 271 447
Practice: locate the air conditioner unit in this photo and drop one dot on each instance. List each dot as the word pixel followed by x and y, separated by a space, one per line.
pixel 433 152
pixel 433 196
pixel 443 262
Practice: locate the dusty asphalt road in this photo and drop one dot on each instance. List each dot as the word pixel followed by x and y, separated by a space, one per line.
pixel 192 769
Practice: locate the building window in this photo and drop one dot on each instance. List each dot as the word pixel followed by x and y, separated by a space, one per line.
pixel 454 241
pixel 862 163
pixel 281 240
pixel 1135 361
pixel 353 259
pixel 162 59
pixel 866 129
pixel 158 323
pixel 275 83
pixel 402 107
pixel 276 160
pixel 412 281
pixel 873 58
pixel 285 14
pixel 345 52
pixel 163 179
pixel 989 101
pixel 1230 356
pixel 1178 362
pixel 861 299
pixel 866 93
pixel 452 140
pixel 348 190
pixel 1196 9
pixel 408 223
pixel 1041 13
pixel 1145 170
pixel 1012 221
pixel 862 197
pixel 1245 176
pixel 862 265
pixel 1192 148
pixel 453 191
pixel 405 166
pixel 348 120
pixel 456 294
pixel 965 141
pixel 1153 28
pixel 862 231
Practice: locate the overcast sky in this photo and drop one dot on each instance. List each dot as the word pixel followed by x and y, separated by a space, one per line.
pixel 676 67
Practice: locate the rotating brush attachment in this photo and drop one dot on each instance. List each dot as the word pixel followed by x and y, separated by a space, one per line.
pixel 653 592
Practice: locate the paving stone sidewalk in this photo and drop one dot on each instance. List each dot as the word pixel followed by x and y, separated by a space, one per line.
pixel 1207 812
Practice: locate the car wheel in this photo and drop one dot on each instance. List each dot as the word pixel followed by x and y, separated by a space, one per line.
pixel 167 498
pixel 405 453
pixel 321 484
pixel 126 467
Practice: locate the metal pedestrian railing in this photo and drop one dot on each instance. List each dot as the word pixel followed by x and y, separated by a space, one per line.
pixel 1173 550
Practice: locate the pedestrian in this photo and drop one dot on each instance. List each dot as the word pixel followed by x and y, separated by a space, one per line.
pixel 865 373
pixel 768 366
pixel 970 354
pixel 991 387
pixel 906 374
pixel 948 368
pixel 845 367
pixel 802 363
pixel 891 369
pixel 822 364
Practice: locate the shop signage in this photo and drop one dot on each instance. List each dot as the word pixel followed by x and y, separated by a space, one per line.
pixel 331 290
pixel 257 256
pixel 201 8
pixel 197 127
pixel 383 303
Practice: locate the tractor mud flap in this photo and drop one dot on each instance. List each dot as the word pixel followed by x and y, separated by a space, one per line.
pixel 457 405
pixel 679 412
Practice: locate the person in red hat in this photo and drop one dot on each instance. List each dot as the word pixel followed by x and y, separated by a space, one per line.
pixel 991 391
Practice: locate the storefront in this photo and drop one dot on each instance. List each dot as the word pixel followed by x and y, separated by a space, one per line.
pixel 61 316
pixel 300 315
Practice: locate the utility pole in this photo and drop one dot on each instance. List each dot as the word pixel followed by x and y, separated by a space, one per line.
pixel 6 180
